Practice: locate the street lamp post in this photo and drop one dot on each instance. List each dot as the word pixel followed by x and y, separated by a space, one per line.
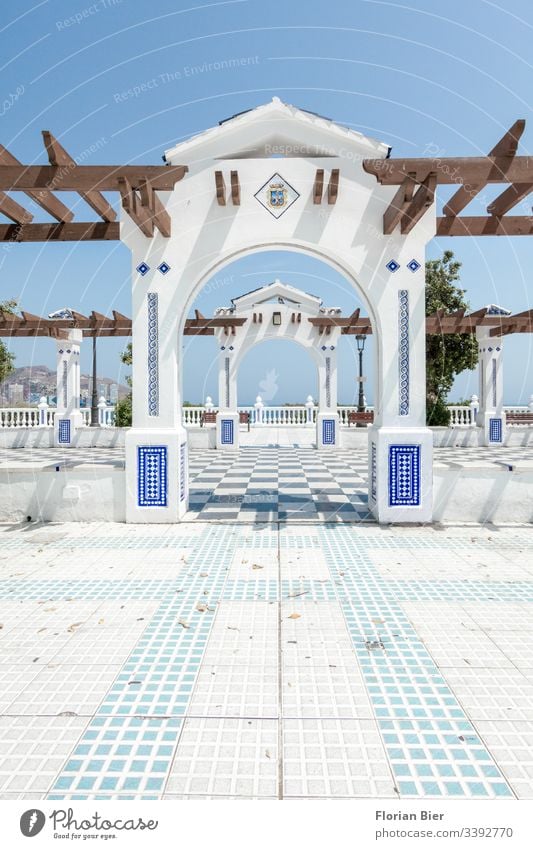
pixel 94 395
pixel 361 339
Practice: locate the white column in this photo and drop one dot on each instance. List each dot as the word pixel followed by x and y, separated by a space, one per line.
pixel 400 450
pixel 227 416
pixel 68 416
pixel 327 420
pixel 156 444
pixel 491 416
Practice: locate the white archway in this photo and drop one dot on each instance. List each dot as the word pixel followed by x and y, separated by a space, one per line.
pixel 321 202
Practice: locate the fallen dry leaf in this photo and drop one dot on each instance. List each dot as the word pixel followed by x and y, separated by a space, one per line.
pixel 257 566
pixel 295 616
pixel 74 625
pixel 183 624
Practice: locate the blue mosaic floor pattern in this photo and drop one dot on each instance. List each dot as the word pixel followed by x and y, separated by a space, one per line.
pixel 196 679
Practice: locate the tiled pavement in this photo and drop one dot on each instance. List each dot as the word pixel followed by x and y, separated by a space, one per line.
pixel 265 661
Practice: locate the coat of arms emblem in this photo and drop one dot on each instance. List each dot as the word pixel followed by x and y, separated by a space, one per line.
pixel 277 195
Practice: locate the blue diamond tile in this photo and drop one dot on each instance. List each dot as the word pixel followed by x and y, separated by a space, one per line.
pixel 143 268
pixel 413 265
pixel 164 268
pixel 393 265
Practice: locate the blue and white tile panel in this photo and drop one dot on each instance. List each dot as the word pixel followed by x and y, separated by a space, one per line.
pixel 153 353
pixel 404 475
pixel 152 475
pixel 403 352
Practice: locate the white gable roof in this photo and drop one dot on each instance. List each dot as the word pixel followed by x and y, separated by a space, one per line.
pixel 276 129
pixel 277 289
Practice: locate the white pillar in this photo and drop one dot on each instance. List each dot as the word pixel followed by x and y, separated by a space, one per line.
pixel 227 416
pixel 102 407
pixel 491 416
pixel 400 451
pixel 259 407
pixel 156 444
pixel 209 404
pixel 474 409
pixel 309 406
pixel 42 406
pixel 68 416
pixel 327 420
pixel 530 405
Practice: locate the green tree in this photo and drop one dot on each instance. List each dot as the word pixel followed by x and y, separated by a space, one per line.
pixel 7 359
pixel 447 355
pixel 123 414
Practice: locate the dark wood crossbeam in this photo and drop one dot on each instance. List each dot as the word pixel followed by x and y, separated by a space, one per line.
pixel 99 178
pixel 318 186
pixel 132 204
pixel 502 154
pixel 155 209
pixel 398 205
pixel 333 186
pixel 509 198
pixel 68 232
pixel 235 188
pixel 422 200
pixel 11 209
pixel 46 200
pixel 57 155
pixel 220 187
pixel 485 225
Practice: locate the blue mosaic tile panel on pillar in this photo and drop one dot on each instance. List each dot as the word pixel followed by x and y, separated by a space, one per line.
pixel 495 430
pixel 328 431
pixel 153 354
pixel 183 471
pixel 152 475
pixel 373 472
pixel 226 432
pixel 403 351
pixel 63 435
pixel 404 475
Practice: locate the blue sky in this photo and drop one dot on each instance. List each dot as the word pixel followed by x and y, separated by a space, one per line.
pixel 421 75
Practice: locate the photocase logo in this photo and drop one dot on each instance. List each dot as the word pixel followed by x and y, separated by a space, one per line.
pixel 32 822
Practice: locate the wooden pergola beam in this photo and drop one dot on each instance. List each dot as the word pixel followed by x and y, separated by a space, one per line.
pixel 318 186
pixel 481 225
pixel 46 200
pixel 11 209
pixel 502 155
pixel 333 186
pixel 509 197
pixel 100 178
pixel 156 211
pixel 220 187
pixel 136 211
pixel 470 170
pixel 57 155
pixel 399 204
pixel 90 231
pixel 235 188
pixel 422 200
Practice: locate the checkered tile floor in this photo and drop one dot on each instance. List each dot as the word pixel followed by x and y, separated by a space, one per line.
pixel 279 484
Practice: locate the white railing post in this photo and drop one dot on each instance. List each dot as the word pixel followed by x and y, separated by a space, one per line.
pixel 102 407
pixel 42 407
pixel 209 404
pixel 259 410
pixel 309 407
pixel 474 409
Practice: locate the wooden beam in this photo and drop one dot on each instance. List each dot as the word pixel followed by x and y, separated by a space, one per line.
pixel 422 200
pixel 468 169
pixel 318 186
pixel 88 177
pixel 398 205
pixel 481 225
pixel 58 156
pixel 46 200
pixel 220 188
pixel 137 212
pixel 235 188
pixel 508 144
pixel 157 212
pixel 61 232
pixel 509 198
pixel 333 186
pixel 11 209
